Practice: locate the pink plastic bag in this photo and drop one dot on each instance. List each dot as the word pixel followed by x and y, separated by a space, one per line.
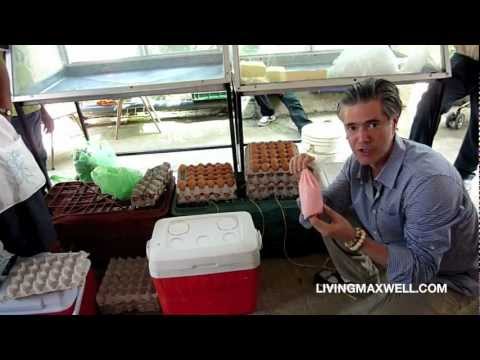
pixel 311 198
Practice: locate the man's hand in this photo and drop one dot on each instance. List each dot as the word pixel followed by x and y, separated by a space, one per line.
pixel 47 121
pixel 300 162
pixel 339 228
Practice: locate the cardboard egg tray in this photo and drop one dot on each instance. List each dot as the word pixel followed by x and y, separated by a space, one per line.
pixel 267 170
pixel 46 272
pixel 149 190
pixel 201 183
pixel 127 287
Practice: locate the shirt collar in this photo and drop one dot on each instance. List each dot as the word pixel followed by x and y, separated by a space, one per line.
pixel 390 170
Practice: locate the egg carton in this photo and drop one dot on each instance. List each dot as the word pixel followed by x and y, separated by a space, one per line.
pixel 127 286
pixel 269 157
pixel 201 183
pixel 151 187
pixel 198 195
pixel 272 178
pixel 280 191
pixel 185 171
pixel 131 307
pixel 46 272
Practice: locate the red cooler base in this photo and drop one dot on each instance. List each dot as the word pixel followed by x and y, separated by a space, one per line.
pixel 231 293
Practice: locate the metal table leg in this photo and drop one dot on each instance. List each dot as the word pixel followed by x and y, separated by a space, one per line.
pixel 152 112
pixel 232 127
pixel 119 117
pixel 238 101
pixel 52 154
pixel 81 118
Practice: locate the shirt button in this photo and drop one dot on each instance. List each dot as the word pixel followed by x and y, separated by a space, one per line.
pixel 432 247
pixel 374 211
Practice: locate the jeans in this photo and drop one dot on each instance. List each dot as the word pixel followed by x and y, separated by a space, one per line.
pixel 439 98
pixel 292 103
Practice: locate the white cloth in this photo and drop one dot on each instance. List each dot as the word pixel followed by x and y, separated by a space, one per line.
pixel 20 176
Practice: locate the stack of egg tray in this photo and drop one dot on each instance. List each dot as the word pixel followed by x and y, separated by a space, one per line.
pixel 127 287
pixel 44 273
pixel 267 170
pixel 151 187
pixel 201 183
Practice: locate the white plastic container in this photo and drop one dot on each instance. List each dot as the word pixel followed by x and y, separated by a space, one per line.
pixel 323 139
pixel 206 264
pixel 65 302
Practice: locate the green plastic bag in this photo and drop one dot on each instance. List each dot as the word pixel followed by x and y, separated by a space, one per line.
pixel 87 159
pixel 116 181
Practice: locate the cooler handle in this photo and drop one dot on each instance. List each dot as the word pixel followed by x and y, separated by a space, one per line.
pixel 148 249
pixel 259 240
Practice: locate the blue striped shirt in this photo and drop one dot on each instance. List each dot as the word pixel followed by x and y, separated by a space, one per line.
pixel 418 207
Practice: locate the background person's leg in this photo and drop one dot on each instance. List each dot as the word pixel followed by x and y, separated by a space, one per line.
pixel 266 108
pixel 437 100
pixel 467 159
pixel 295 108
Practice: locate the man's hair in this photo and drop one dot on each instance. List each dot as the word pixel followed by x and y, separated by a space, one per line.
pixel 373 89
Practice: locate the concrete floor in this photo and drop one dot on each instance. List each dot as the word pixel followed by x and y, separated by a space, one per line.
pixel 285 287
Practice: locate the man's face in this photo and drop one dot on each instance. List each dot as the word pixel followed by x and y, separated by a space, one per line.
pixel 369 132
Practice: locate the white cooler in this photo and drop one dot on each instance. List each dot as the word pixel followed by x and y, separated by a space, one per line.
pixel 206 264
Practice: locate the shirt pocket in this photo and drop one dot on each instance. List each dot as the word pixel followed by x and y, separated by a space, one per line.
pixel 390 223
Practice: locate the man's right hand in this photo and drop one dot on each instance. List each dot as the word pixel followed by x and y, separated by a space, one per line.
pixel 300 162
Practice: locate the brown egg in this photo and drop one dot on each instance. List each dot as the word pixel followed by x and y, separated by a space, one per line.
pixel 230 181
pixel 285 166
pixel 224 171
pixel 191 184
pixel 182 185
pixel 220 182
pixel 274 164
pixel 255 166
pixel 210 183
pixel 182 169
pixel 265 166
pixel 210 170
pixel 201 183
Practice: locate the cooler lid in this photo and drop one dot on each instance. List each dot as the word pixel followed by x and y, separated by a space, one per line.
pixel 203 244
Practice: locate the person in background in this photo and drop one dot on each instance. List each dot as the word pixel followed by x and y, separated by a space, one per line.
pixel 35 116
pixel 439 98
pixel 26 226
pixel 291 102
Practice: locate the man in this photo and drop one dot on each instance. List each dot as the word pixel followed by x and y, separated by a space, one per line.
pixel 292 103
pixel 33 118
pixel 417 222
pixel 439 98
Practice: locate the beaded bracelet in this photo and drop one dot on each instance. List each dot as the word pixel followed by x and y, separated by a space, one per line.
pixel 358 241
